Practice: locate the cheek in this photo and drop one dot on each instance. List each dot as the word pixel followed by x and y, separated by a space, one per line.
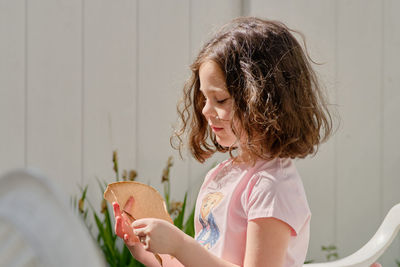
pixel 225 113
pixel 203 112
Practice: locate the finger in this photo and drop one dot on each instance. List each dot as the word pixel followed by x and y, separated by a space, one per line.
pixel 130 240
pixel 117 210
pixel 146 244
pixel 118 226
pixel 140 232
pixel 140 223
pixel 127 229
pixel 134 238
pixel 127 240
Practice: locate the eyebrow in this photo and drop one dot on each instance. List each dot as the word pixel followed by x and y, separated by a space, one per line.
pixel 215 90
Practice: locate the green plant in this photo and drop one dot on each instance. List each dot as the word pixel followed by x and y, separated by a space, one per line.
pixel 113 248
pixel 398 263
pixel 331 252
pixel 177 208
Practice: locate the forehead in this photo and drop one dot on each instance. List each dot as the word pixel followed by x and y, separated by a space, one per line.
pixel 211 77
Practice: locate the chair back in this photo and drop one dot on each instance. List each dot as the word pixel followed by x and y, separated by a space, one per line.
pixel 374 248
pixel 38 228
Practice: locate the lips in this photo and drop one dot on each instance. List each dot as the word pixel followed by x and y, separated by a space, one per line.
pixel 216 129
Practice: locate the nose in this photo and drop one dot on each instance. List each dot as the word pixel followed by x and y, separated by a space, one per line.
pixel 209 110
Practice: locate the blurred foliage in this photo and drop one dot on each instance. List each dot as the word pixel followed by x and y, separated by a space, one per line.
pixel 113 248
pixel 330 252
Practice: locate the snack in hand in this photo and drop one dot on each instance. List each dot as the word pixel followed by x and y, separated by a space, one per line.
pixel 148 203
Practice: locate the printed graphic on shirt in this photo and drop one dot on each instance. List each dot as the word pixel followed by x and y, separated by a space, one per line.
pixel 209 233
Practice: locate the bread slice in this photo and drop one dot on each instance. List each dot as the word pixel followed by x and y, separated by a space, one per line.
pixel 148 203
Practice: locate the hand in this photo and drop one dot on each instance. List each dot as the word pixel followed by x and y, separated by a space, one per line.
pixel 122 224
pixel 158 236
pixel 124 230
pixel 376 264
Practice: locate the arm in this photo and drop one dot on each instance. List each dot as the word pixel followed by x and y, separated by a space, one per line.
pixel 148 258
pixel 165 238
pixel 267 242
pixel 266 245
pixel 193 254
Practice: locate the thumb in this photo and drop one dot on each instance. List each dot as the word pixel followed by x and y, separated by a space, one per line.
pixel 141 223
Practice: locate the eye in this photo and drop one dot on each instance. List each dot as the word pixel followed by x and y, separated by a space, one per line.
pixel 222 101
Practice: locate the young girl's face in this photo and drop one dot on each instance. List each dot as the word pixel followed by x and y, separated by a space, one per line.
pixel 218 103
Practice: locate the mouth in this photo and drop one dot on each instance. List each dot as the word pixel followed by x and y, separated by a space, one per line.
pixel 216 129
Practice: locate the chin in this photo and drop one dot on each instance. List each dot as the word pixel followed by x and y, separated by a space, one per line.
pixel 224 143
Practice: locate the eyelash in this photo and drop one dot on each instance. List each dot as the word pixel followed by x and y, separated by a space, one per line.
pixel 218 101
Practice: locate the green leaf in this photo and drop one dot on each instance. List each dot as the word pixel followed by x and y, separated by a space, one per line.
pixel 138 264
pixel 179 219
pixel 108 243
pixel 335 255
pixel 109 228
pixel 189 225
pixel 126 256
pixel 84 191
pixel 108 257
pixel 102 189
pixel 85 214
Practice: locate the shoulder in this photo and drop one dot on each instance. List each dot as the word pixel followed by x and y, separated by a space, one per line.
pixel 278 169
pixel 217 166
pixel 276 190
pixel 214 168
pixel 273 175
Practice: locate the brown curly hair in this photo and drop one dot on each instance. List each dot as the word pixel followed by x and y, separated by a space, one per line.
pixel 278 101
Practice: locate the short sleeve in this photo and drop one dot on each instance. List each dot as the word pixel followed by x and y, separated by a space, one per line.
pixel 283 199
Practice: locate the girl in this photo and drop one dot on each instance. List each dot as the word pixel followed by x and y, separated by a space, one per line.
pixel 253 94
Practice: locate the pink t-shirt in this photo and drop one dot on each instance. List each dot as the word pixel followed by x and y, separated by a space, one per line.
pixel 233 194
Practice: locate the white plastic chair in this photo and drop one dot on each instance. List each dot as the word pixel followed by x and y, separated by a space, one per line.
pixel 38 228
pixel 374 248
